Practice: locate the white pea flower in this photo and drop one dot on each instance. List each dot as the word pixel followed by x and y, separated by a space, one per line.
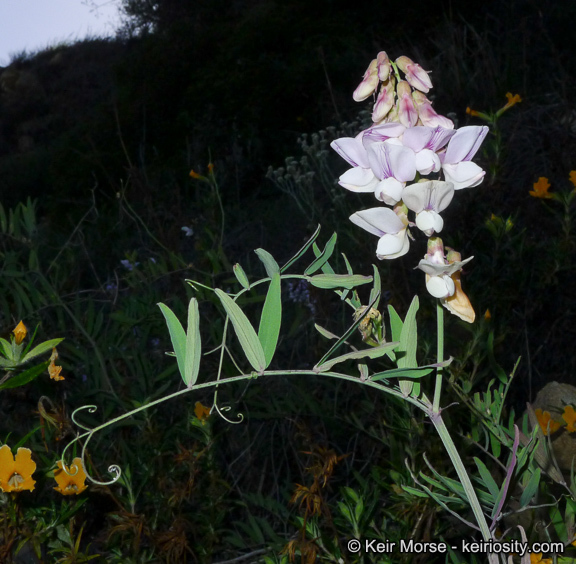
pixel 391 226
pixel 427 199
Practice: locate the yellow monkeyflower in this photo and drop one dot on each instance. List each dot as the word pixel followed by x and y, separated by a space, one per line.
pixel 541 189
pixel 569 416
pixel 16 473
pixel 20 332
pixel 53 369
pixel 202 412
pixel 547 424
pixel 71 480
pixel 536 558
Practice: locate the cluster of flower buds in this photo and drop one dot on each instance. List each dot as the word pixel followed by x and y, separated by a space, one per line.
pixel 395 158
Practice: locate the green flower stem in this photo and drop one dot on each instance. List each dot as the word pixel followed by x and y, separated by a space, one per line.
pixel 440 356
pixel 436 417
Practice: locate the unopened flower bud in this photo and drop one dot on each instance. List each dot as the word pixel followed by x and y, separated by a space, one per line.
pixel 369 82
pixel 407 113
pixel 383 65
pixel 416 76
pixel 385 100
pixel 20 332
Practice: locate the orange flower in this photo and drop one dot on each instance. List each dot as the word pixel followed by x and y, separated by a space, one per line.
pixel 569 416
pixel 541 188
pixel 20 332
pixel 547 424
pixel 202 412
pixel 487 315
pixel 70 479
pixel 471 112
pixel 194 174
pixel 536 558
pixel 210 167
pixel 513 99
pixel 54 370
pixel 573 178
pixel 16 474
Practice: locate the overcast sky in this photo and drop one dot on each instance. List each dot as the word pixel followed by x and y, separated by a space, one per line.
pixel 36 24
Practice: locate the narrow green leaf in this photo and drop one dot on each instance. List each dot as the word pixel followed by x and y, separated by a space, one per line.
pixel 40 349
pixel 530 489
pixel 241 276
pixel 325 332
pixel 244 331
pixel 409 338
pixel 330 281
pixel 377 287
pixel 302 250
pixel 6 348
pixel 402 373
pixel 396 323
pixel 269 262
pixel 269 328
pixel 177 337
pixel 193 344
pixel 487 479
pixel 374 352
pixel 24 377
pixel 324 256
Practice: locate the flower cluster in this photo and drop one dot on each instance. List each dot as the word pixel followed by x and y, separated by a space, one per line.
pixel 16 473
pixel 394 158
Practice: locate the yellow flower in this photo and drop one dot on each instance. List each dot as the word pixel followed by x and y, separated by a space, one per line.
pixel 202 412
pixel 573 178
pixel 536 558
pixel 70 479
pixel 541 188
pixel 569 416
pixel 20 332
pixel 547 424
pixel 54 370
pixel 16 474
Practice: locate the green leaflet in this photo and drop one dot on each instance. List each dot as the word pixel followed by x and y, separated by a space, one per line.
pixel 487 478
pixel 325 333
pixel 306 246
pixel 324 256
pixel 406 352
pixel 330 281
pixel 269 262
pixel 377 288
pixel 40 349
pixel 24 377
pixel 375 352
pixel 402 373
pixel 241 276
pixel 193 344
pixel 409 338
pixel 271 318
pixel 531 488
pixel 244 331
pixel 177 337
